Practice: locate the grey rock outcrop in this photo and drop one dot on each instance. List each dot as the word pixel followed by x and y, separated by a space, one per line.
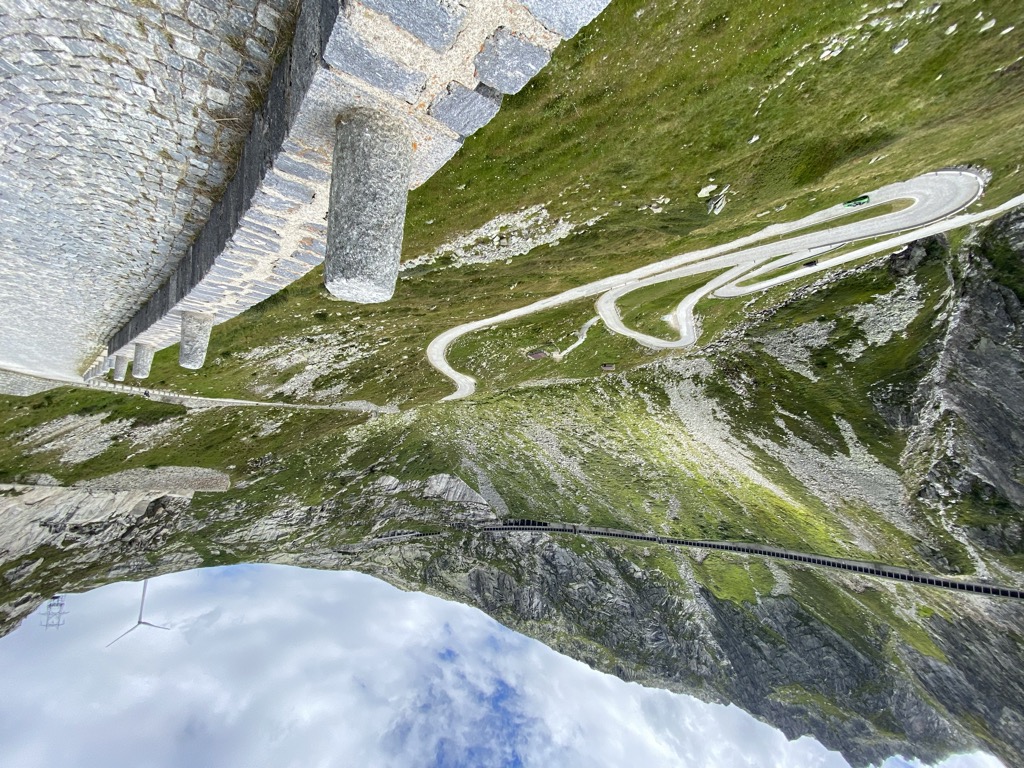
pixel 38 516
pixel 966 442
pixel 460 502
pixel 12 383
pixel 453 489
pixel 976 685
pixel 776 659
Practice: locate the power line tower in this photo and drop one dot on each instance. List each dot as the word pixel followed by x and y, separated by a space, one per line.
pixel 55 613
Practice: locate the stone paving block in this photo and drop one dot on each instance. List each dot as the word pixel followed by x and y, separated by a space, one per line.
pixel 508 61
pixel 274 222
pixel 347 52
pixel 202 299
pixel 282 205
pixel 293 167
pixel 566 17
pixel 252 226
pixel 288 189
pixel 287 266
pixel 435 22
pixel 237 261
pixel 308 258
pixel 466 111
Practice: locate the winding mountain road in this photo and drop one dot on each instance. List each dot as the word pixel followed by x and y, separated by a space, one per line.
pixel 934 199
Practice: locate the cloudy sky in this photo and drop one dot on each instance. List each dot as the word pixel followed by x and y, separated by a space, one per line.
pixel 276 666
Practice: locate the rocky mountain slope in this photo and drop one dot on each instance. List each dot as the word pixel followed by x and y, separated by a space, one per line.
pixel 966 444
pixel 875 415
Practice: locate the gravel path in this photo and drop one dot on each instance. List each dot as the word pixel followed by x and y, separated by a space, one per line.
pixel 166 396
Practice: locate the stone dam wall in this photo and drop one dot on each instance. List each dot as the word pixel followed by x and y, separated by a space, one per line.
pixel 118 123
pixel 428 72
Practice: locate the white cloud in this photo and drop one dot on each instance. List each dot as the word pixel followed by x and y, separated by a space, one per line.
pixel 277 666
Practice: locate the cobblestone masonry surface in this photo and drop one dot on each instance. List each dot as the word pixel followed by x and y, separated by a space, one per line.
pixel 117 132
pixel 118 121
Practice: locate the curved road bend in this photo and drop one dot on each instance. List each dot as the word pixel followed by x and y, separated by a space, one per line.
pixel 854 566
pixel 892 244
pixel 933 196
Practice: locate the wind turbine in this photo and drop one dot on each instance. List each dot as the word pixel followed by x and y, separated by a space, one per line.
pixel 140 622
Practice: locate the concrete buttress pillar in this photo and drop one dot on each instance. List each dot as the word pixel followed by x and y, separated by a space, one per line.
pixel 108 363
pixel 143 360
pixel 369 189
pixel 120 367
pixel 195 338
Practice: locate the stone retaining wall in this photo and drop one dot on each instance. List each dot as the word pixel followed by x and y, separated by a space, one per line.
pixel 436 66
pixel 12 383
pixel 119 126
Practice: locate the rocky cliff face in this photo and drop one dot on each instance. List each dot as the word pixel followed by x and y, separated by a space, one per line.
pixel 59 539
pixel 642 615
pixel 869 695
pixel 966 442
